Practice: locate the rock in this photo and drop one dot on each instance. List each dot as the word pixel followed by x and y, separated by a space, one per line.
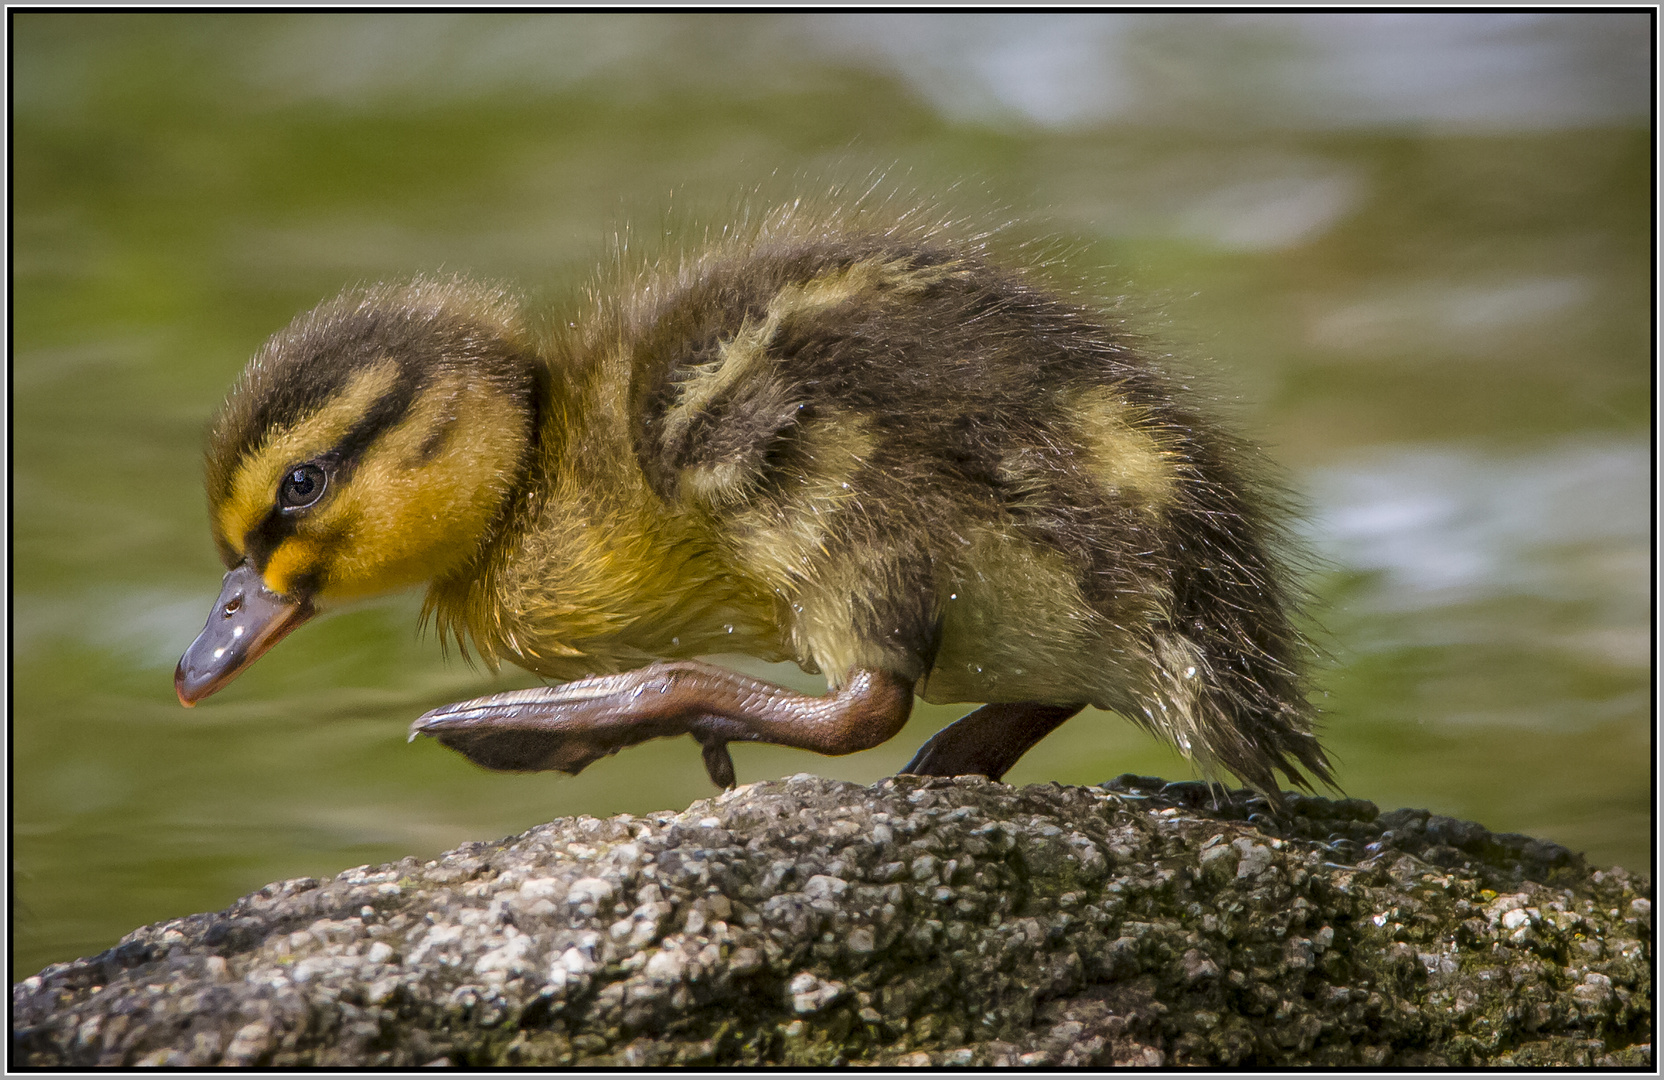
pixel 931 922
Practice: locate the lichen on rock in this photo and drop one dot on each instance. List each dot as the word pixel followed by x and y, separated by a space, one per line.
pixel 915 922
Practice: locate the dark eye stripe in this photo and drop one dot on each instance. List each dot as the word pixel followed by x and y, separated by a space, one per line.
pixel 387 411
pixel 264 538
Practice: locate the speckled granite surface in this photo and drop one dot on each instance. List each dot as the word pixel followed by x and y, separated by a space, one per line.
pixel 914 922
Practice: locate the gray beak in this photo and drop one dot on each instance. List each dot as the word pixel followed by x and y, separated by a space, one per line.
pixel 247 620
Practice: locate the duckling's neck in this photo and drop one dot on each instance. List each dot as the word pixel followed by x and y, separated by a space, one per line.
pixel 590 571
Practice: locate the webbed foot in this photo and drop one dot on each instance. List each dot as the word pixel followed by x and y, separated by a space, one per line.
pixel 567 727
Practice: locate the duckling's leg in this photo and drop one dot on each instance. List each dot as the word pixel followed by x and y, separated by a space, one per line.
pixel 568 726
pixel 988 741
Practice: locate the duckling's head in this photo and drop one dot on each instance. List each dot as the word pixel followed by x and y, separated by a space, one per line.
pixel 369 446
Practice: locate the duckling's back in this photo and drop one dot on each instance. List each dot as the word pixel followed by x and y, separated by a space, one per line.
pixel 939 468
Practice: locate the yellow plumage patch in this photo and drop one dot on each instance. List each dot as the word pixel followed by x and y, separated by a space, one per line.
pixel 417 503
pixel 291 560
pixel 1123 451
pixel 625 583
pixel 1015 627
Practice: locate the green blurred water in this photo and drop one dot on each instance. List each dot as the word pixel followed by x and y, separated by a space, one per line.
pixel 1442 331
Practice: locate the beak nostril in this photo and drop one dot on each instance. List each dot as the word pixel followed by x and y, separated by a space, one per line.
pixel 233 604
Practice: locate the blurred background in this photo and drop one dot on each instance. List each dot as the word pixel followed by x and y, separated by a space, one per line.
pixel 1412 252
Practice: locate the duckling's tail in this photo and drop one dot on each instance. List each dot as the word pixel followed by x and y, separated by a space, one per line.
pixel 1229 719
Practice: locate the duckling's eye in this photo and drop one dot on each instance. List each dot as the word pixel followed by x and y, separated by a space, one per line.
pixel 302 487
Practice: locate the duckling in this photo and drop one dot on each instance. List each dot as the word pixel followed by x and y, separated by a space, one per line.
pixel 865 446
